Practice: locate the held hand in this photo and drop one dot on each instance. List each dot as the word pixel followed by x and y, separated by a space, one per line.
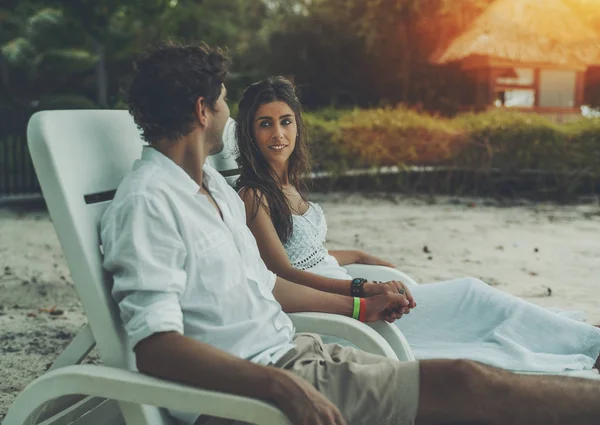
pixel 303 404
pixel 401 288
pixel 374 261
pixel 371 289
pixel 386 305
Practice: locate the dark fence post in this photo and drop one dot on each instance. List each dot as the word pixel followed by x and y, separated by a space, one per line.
pixel 17 176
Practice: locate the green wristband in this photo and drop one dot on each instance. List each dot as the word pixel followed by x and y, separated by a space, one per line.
pixel 356 310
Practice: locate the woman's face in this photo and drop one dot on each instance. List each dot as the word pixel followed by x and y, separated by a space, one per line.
pixel 275 131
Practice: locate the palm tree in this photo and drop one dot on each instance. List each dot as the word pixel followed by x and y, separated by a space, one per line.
pixel 39 55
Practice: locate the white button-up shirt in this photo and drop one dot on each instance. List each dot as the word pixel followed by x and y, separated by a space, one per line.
pixel 178 266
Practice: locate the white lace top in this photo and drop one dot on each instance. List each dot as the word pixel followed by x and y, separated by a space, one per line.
pixel 305 246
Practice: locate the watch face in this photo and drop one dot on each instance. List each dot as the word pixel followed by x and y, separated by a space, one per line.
pixel 358 281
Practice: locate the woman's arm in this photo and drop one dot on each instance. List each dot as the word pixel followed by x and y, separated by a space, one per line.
pixel 273 253
pixel 348 256
pixel 345 257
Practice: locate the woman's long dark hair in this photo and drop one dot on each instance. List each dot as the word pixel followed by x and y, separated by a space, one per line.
pixel 255 170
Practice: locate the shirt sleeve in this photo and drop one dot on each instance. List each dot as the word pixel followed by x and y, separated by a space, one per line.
pixel 268 276
pixel 145 254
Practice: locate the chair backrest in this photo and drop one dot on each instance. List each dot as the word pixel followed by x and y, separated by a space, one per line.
pixel 224 162
pixel 80 158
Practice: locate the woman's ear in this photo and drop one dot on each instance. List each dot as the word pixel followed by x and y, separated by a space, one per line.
pixel 201 111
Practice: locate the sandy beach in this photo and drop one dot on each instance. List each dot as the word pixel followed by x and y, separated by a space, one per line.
pixel 546 254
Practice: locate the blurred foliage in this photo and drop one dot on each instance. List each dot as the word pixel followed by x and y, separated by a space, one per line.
pixel 87 47
pixel 326 146
pixel 399 136
pixel 508 141
pixel 342 53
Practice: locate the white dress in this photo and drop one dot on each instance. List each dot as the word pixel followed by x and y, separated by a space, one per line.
pixel 465 318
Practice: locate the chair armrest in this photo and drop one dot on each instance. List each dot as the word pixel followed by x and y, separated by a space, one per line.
pixel 134 387
pixel 389 332
pixel 379 273
pixel 395 338
pixel 349 329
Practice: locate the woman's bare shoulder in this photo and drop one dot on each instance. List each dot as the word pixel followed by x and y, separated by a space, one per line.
pixel 250 196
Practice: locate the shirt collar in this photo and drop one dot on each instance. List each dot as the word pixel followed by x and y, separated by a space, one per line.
pixel 174 171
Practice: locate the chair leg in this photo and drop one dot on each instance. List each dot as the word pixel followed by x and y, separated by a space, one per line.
pixel 77 350
pixel 86 407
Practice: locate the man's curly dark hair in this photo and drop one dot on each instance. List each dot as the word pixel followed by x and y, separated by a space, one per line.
pixel 168 80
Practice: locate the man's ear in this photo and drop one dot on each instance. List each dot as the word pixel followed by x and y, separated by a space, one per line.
pixel 202 111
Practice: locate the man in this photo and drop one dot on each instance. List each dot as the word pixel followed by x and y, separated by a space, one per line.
pixel 201 308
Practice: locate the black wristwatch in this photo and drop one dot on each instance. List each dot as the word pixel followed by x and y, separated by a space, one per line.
pixel 357 287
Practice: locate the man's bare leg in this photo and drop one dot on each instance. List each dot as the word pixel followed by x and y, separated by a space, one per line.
pixel 462 391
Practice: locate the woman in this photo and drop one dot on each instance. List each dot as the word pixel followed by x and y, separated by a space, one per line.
pixel 462 318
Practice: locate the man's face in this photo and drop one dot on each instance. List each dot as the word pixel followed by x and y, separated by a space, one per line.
pixel 220 114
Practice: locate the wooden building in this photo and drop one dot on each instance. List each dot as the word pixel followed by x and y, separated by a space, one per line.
pixel 526 54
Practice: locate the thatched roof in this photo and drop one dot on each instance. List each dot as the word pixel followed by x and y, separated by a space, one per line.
pixel 527 31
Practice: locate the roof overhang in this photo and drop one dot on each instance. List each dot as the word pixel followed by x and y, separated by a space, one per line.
pixel 477 62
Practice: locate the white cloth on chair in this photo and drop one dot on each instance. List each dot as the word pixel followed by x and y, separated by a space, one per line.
pixel 466 318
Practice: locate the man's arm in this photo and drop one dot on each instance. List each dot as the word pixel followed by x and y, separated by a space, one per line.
pixel 385 305
pixel 172 356
pixel 296 298
pixel 145 254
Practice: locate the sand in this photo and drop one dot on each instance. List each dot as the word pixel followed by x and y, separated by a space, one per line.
pixel 546 254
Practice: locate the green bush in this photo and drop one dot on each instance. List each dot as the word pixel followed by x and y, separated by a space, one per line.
pixel 327 150
pixel 512 141
pixel 501 140
pixel 399 136
pixel 584 144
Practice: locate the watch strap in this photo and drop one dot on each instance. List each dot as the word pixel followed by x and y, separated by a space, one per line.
pixel 357 287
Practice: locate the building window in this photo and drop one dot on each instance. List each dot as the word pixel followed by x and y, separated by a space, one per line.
pixel 516 77
pixel 515 98
pixel 557 88
pixel 515 88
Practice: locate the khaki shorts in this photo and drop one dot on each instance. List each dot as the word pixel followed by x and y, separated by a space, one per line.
pixel 368 389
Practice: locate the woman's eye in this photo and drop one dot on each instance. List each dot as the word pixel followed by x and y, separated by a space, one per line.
pixel 286 121
pixel 264 124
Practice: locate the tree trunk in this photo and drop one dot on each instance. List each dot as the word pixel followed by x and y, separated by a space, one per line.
pixel 4 82
pixel 407 59
pixel 101 75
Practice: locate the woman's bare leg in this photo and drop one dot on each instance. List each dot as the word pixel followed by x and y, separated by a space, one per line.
pixel 459 391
